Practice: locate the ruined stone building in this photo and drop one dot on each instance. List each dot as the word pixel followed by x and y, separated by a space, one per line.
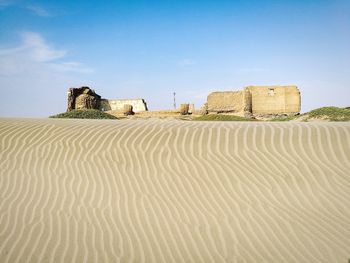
pixel 86 98
pixel 256 100
pixel 82 98
pixel 138 105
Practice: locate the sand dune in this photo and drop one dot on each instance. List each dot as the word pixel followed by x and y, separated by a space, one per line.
pixel 173 191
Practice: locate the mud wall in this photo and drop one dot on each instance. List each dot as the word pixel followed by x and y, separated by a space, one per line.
pixel 274 99
pixel 137 104
pixel 227 101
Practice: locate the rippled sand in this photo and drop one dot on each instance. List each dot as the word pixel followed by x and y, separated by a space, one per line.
pixel 173 191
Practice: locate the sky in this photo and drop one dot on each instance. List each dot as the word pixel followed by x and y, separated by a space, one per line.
pixel 150 49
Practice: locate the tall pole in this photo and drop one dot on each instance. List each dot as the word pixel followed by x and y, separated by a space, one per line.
pixel 174 101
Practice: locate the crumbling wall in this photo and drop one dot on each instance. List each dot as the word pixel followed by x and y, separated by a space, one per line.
pixel 275 99
pixel 247 101
pixel 105 106
pixel 292 100
pixel 82 98
pixel 228 101
pixel 138 105
pixel 256 100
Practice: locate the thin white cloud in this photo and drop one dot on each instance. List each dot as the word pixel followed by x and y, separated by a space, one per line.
pixel 34 9
pixel 38 10
pixel 35 52
pixel 5 3
pixel 39 49
pixel 71 67
pixel 186 62
pixel 34 76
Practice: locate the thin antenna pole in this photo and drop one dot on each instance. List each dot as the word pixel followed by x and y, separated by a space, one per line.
pixel 174 101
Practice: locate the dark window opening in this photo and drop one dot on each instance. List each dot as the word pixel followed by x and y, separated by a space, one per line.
pixel 271 91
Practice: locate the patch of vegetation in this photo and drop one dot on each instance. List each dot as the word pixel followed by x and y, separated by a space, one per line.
pixel 84 114
pixel 324 113
pixel 219 117
pixel 330 113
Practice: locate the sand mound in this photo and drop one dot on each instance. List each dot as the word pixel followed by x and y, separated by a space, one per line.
pixel 173 191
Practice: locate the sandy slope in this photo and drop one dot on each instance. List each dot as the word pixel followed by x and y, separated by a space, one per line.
pixel 174 191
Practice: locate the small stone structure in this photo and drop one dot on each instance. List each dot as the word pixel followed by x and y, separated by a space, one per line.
pixel 191 109
pixel 128 110
pixel 82 98
pixel 138 105
pixel 256 100
pixel 184 109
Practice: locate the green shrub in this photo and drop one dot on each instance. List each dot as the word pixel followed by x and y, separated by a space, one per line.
pixel 330 113
pixel 324 113
pixel 84 114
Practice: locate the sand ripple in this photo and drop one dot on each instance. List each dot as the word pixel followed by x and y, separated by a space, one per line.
pixel 172 191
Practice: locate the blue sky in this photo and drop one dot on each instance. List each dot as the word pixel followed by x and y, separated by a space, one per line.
pixel 149 49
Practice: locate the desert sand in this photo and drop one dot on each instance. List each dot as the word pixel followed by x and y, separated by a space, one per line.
pixel 173 191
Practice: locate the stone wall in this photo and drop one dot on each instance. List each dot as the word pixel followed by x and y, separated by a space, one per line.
pixel 275 99
pixel 228 101
pixel 138 105
pixel 256 100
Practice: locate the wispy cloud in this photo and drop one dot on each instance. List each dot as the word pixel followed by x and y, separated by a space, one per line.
pixel 5 3
pixel 186 62
pixel 34 75
pixel 38 10
pixel 39 49
pixel 72 67
pixel 34 9
pixel 33 52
